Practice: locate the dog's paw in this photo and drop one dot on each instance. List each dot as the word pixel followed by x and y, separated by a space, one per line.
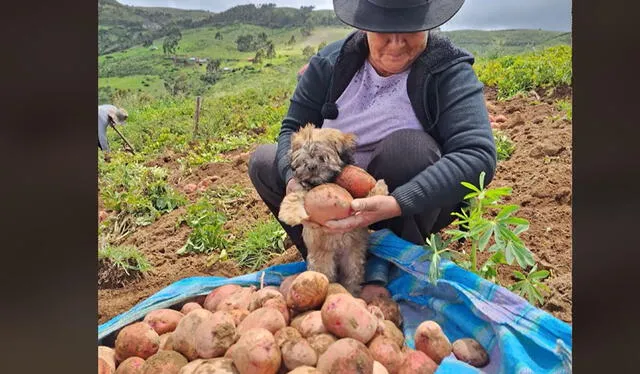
pixel 379 189
pixel 292 210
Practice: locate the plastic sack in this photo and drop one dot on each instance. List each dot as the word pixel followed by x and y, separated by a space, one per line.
pixel 519 337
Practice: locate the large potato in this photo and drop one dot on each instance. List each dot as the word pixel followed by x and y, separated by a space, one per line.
pixel 307 291
pixel 390 330
pixel 137 339
pixel 470 351
pixel 163 320
pixel 356 181
pixel 344 317
pixel 256 352
pixel 165 342
pixel 416 362
pixel 132 365
pixel 108 354
pixel 389 308
pixel 430 339
pixel 218 365
pixel 186 308
pixel 285 334
pixel 215 335
pixel 104 367
pixel 165 362
pixel 297 353
pixel 346 356
pixel 386 352
pixel 280 305
pixel 286 284
pixel 218 294
pixel 327 202
pixel 336 288
pixel 268 318
pixel 238 315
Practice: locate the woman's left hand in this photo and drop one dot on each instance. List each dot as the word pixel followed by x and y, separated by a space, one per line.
pixel 368 211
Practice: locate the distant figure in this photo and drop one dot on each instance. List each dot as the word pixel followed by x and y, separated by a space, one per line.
pixel 108 115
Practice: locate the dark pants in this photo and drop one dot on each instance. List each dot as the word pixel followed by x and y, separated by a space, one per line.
pixel 396 159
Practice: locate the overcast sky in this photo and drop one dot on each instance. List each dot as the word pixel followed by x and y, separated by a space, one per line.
pixel 475 14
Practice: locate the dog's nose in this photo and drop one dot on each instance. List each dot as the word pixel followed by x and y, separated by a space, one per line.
pixel 312 167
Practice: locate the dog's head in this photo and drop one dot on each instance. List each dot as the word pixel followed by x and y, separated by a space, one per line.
pixel 319 154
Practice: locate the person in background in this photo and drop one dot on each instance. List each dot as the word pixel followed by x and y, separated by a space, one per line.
pixel 109 115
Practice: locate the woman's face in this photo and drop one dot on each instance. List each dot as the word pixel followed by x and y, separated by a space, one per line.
pixel 392 53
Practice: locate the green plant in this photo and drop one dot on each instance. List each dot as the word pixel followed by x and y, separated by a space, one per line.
pixel 119 264
pixel 530 286
pixel 497 234
pixel 264 241
pixel 504 145
pixel 207 226
pixel 566 106
pixel 438 250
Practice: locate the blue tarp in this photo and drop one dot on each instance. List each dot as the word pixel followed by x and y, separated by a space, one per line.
pixel 519 337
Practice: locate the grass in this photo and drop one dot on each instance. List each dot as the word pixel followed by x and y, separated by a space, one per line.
pixel 567 107
pixel 119 264
pixel 504 145
pixel 262 242
pixel 207 228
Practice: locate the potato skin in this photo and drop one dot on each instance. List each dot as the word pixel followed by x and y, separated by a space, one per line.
pixel 166 343
pixel 240 299
pixel 416 362
pixel 297 353
pixel 285 285
pixel 163 320
pixel 108 354
pixel 215 335
pixel 218 294
pixel 280 305
pixel 321 342
pixel 132 365
pixel 308 291
pixel 356 181
pixel 256 352
pixel 346 356
pixel 385 351
pixel 186 308
pixel 336 288
pixel 169 362
pixel 390 309
pixel 104 367
pixel 390 330
pixel 305 370
pixel 311 324
pixel 262 295
pixel 218 365
pixel 326 202
pixel 378 368
pixel 268 318
pixel 430 339
pixel 285 334
pixel 470 351
pixel 137 339
pixel 344 317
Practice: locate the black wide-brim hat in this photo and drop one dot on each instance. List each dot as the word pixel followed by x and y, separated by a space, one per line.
pixel 396 15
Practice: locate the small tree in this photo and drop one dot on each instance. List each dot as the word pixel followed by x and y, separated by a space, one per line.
pixel 271 51
pixel 171 41
pixel 218 36
pixel 259 56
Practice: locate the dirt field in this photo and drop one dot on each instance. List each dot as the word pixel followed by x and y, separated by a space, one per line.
pixel 539 171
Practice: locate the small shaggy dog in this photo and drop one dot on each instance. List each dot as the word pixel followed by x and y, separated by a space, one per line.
pixel 317 157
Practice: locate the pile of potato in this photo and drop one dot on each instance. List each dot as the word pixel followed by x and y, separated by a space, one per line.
pixel 306 325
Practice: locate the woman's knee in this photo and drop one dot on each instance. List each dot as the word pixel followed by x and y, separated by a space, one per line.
pixel 262 160
pixel 402 155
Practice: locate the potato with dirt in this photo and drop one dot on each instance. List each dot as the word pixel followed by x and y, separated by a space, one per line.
pixel 281 306
pixel 336 288
pixel 387 352
pixel 165 362
pixel 390 309
pixel 321 342
pixel 285 334
pixel 218 365
pixel 104 367
pixel 356 181
pixel 390 330
pixel 132 365
pixel 166 343
pixel 163 320
pixel 344 317
pixel 215 335
pixel 186 308
pixel 256 352
pixel 308 291
pixel 108 354
pixel 285 285
pixel 218 294
pixel 298 352
pixel 417 362
pixel 346 356
pixel 430 339
pixel 137 339
pixel 327 202
pixel 260 296
pixel 267 318
pixel 305 370
pixel 470 351
pixel 203 334
pixel 238 315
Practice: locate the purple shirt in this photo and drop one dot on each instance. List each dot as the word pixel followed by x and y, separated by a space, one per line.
pixel 372 107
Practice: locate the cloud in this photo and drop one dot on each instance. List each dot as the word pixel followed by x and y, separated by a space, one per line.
pixel 475 14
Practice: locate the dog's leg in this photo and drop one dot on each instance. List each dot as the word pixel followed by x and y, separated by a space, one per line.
pixel 379 189
pixel 352 260
pixel 292 210
pixel 320 256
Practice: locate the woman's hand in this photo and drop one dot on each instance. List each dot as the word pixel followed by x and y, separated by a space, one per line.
pixel 368 211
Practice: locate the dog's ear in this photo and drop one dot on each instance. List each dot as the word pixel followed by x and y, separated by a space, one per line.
pixel 346 147
pixel 303 135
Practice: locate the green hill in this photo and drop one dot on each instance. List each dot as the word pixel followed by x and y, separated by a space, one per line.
pixel 505 42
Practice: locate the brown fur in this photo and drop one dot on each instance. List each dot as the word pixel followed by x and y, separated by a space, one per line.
pixel 319 155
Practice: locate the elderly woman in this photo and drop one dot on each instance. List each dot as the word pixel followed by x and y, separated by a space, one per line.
pixel 416 107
